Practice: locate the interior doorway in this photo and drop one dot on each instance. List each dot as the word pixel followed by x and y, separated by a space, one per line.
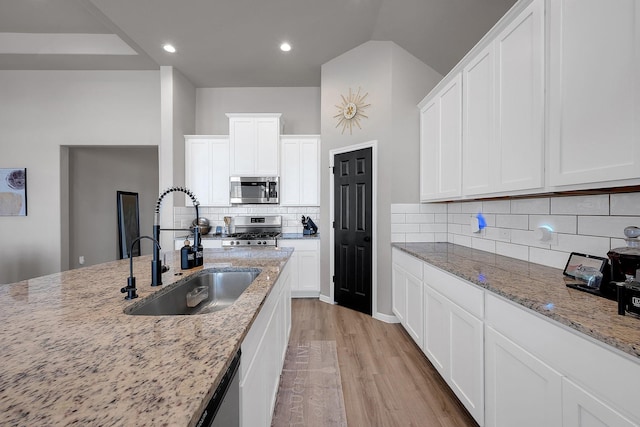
pixel 95 174
pixel 353 240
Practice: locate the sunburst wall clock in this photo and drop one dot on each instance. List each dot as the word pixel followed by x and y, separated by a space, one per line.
pixel 351 110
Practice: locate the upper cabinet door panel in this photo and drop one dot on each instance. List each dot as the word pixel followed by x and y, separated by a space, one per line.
pixel 267 141
pixel 429 137
pixel 520 83
pixel 242 136
pixel 479 124
pixel 594 91
pixel 255 144
pixel 450 146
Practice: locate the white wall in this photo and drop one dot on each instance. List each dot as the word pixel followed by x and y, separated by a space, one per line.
pixel 395 82
pixel 40 111
pixel 300 107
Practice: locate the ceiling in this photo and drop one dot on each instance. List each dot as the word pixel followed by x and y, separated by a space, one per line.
pixel 235 43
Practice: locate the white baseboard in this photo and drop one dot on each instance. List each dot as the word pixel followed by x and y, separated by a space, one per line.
pixel 387 318
pixel 326 299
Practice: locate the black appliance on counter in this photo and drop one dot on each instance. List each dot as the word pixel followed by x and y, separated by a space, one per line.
pixel 625 272
pixel 310 227
pixel 254 231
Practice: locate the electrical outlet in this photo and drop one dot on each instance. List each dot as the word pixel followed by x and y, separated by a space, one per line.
pixel 81 259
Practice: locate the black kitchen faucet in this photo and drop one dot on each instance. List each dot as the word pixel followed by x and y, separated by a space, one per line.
pixel 156 264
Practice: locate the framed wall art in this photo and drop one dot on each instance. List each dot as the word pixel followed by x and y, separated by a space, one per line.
pixel 128 223
pixel 13 192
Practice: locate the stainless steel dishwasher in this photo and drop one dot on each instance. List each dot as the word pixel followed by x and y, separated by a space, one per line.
pixel 223 409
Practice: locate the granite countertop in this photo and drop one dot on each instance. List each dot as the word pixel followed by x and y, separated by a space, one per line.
pixel 537 287
pixel 70 356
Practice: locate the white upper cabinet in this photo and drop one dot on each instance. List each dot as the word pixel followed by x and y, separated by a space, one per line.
pixel 520 101
pixel 503 139
pixel 300 171
pixel 479 124
pixel 207 169
pixel 254 144
pixel 594 91
pixel 440 143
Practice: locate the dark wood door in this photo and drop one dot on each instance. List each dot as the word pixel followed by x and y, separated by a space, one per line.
pixel 352 229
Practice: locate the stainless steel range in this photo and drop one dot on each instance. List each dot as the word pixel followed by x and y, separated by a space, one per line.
pixel 255 230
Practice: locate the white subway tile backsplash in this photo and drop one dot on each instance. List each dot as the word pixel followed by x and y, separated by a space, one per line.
pixel 398 238
pixel 454 208
pixel 513 221
pixel 590 224
pixel 524 237
pixel 483 244
pixel 625 204
pixel 405 228
pixel 558 223
pixel 513 251
pixel 531 206
pixel 434 208
pixel 548 257
pixel 591 245
pixel 606 226
pixel 462 240
pixel 471 207
pixel 496 206
pixel 433 228
pixel 497 234
pixel 441 237
pixel 420 218
pixel 454 228
pixel 581 205
pixel 398 218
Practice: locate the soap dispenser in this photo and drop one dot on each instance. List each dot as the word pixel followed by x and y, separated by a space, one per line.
pixel 187 257
pixel 197 248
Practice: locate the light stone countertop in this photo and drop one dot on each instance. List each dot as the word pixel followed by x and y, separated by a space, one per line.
pixel 536 287
pixel 70 356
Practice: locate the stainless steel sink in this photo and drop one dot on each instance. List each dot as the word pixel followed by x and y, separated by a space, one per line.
pixel 204 292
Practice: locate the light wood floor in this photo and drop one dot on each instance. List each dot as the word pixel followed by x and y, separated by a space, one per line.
pixel 386 380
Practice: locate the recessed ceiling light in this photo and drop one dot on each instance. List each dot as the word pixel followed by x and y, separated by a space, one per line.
pixel 169 48
pixel 285 47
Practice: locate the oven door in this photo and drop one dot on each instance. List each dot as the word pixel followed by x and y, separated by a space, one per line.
pixel 254 190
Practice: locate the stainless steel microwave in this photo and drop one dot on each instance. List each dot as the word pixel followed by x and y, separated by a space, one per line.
pixel 254 190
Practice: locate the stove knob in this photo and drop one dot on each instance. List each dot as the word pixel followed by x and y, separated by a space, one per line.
pixel 232 243
pixel 248 243
pixel 259 242
pixel 237 242
pixel 264 242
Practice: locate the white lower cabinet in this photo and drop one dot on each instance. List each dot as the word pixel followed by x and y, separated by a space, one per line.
pixel 539 374
pixel 305 267
pixel 263 352
pixel 454 336
pixel 450 336
pixel 521 390
pixel 581 409
pixel 407 293
pixel 510 366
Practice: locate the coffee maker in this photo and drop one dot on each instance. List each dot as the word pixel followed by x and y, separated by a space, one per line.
pixel 625 272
